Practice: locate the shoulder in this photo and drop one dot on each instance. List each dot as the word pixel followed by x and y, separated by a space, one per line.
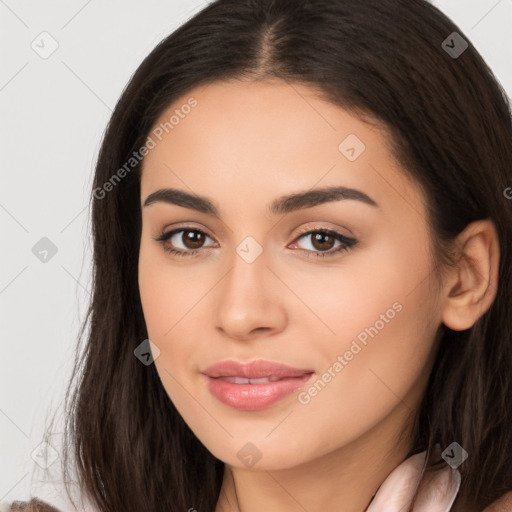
pixel 504 504
pixel 34 505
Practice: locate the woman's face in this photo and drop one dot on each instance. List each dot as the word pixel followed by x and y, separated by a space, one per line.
pixel 354 309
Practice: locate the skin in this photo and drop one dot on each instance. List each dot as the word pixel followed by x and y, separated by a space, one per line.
pixel 504 504
pixel 242 146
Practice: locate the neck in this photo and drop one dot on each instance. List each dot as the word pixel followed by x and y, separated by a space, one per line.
pixel 350 475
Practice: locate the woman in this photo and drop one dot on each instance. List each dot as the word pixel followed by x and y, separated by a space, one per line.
pixel 302 248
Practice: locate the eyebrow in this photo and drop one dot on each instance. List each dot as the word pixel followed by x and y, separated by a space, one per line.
pixel 280 206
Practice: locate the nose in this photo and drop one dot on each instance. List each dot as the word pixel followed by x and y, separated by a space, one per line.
pixel 249 301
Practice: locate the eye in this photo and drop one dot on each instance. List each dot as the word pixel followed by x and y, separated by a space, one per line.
pixel 191 238
pixel 322 241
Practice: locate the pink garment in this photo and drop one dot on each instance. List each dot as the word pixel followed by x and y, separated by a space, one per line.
pixel 436 494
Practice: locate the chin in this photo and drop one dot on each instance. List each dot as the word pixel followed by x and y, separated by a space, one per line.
pixel 264 455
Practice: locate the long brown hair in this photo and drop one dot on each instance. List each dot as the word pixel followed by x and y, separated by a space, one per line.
pixel 449 122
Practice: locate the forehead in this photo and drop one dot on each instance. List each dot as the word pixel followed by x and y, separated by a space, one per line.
pixel 253 113
pixel 250 137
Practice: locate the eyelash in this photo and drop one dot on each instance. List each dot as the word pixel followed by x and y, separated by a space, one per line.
pixel 347 243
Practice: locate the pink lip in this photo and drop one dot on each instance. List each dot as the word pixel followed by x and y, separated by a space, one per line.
pixel 250 397
pixel 253 369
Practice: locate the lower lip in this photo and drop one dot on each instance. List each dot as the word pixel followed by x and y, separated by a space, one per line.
pixel 252 397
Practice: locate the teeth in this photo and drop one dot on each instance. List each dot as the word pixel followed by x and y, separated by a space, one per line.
pixel 242 380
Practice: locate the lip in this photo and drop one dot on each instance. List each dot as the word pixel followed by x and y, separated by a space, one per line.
pixel 254 396
pixel 253 369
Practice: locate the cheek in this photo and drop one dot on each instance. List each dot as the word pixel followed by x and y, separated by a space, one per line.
pixel 384 321
pixel 375 368
pixel 167 293
pixel 381 365
pixel 167 298
pixel 364 289
pixel 172 298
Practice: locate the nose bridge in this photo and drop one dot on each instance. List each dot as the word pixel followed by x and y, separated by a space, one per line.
pixel 246 301
pixel 248 268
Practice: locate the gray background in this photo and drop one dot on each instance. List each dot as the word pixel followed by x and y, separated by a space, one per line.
pixel 53 113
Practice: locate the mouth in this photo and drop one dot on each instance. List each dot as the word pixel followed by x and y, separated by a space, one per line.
pixel 257 369
pixel 243 380
pixel 255 385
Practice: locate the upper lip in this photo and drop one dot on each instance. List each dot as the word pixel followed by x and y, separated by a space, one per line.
pixel 254 370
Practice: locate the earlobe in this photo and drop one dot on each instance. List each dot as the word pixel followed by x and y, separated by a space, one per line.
pixel 473 282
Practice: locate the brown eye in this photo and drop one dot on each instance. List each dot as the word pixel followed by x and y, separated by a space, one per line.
pixel 183 242
pixel 322 241
pixel 193 239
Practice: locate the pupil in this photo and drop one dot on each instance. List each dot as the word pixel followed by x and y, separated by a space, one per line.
pixel 318 239
pixel 193 237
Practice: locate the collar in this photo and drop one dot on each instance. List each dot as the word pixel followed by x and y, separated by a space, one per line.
pixel 436 494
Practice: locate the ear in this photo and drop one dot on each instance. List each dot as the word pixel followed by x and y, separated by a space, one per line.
pixel 473 282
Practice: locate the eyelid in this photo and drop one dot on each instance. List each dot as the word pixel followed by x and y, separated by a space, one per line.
pixel 168 228
pixel 323 227
pixel 317 227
